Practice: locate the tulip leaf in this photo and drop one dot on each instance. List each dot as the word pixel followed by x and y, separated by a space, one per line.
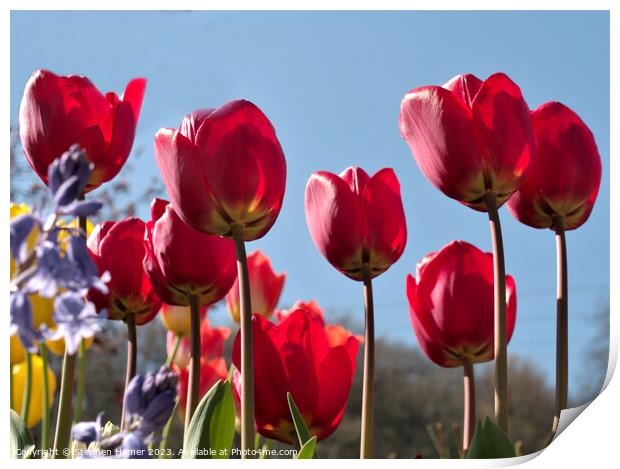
pixel 308 450
pixel 21 444
pixel 490 442
pixel 212 428
pixel 303 434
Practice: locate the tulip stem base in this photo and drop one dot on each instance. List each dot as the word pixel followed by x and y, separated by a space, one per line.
pixel 561 363
pixel 366 437
pixel 469 404
pixel 81 384
pixel 63 422
pixel 194 361
pixel 247 366
pixel 132 355
pixel 499 294
pixel 25 411
pixel 45 426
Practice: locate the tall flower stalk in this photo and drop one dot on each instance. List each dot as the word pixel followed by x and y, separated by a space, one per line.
pixel 559 193
pixel 473 140
pixel 225 173
pixel 358 223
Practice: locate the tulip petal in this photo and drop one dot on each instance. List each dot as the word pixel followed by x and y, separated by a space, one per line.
pixel 331 212
pixel 385 219
pixel 440 131
pixel 502 120
pixel 179 164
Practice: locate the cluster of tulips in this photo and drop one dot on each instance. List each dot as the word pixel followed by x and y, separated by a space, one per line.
pixel 225 175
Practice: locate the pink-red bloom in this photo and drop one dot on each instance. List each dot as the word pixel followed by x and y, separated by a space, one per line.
pixel 565 173
pixel 176 319
pixel 224 167
pixel 451 304
pixel 295 356
pixel 118 248
pixel 470 136
pixel 265 287
pixel 355 219
pixel 211 344
pixel 59 111
pixel 181 261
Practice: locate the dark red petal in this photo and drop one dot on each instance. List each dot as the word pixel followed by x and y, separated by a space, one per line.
pixel 385 219
pixel 182 254
pixel 238 143
pixel 440 131
pixel 270 377
pixel 356 178
pixel 334 220
pixel 188 190
pixel 502 119
pixel 465 87
pixel 425 330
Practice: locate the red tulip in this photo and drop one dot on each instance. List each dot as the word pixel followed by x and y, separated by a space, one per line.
pixel 223 167
pixel 356 219
pixel 265 287
pixel 58 111
pixel 295 356
pixel 210 371
pixel 118 248
pixel 565 173
pixel 181 261
pixel 211 344
pixel 336 334
pixel 470 136
pixel 451 304
pixel 176 319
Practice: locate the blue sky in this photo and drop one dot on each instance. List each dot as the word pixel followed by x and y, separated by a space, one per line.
pixel 331 83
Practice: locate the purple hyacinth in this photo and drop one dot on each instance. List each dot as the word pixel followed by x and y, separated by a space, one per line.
pixel 149 403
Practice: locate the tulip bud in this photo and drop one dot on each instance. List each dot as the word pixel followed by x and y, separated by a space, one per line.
pixel 355 219
pixel 565 173
pixel 176 319
pixel 224 167
pixel 451 305
pixel 470 136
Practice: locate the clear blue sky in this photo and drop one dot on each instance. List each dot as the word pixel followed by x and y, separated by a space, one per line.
pixel 331 83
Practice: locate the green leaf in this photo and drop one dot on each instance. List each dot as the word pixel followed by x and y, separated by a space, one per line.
pixel 212 428
pixel 21 441
pixel 303 434
pixel 489 442
pixel 308 450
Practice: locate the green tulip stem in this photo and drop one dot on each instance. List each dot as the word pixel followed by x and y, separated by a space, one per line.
pixel 366 442
pixel 45 427
pixel 63 418
pixel 194 361
pixel 132 356
pixel 63 421
pixel 247 367
pixel 499 295
pixel 173 352
pixel 81 384
pixel 469 404
pixel 28 389
pixel 561 363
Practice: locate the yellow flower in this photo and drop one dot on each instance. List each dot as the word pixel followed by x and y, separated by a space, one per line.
pixel 19 388
pixel 18 354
